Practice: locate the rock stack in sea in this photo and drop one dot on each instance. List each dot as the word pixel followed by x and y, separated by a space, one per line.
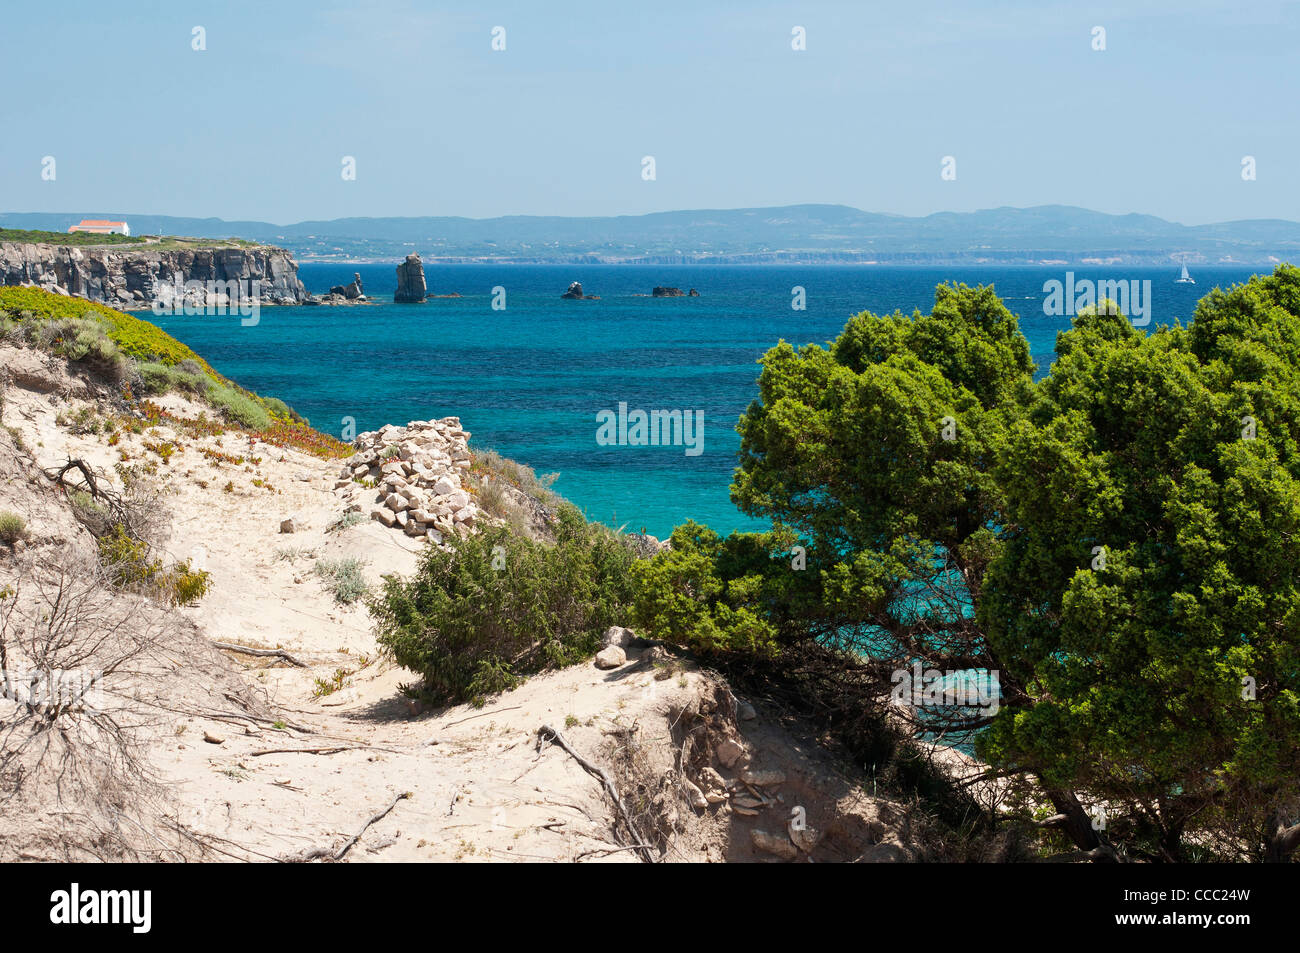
pixel 575 293
pixel 410 281
pixel 416 472
pixel 351 293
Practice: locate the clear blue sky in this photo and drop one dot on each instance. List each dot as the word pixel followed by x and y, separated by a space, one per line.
pixel 255 126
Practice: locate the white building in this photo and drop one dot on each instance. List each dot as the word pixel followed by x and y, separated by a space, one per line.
pixel 100 226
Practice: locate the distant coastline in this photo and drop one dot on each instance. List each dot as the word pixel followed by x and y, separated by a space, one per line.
pixel 796 234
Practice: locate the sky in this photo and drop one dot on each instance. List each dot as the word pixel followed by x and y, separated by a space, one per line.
pixel 257 124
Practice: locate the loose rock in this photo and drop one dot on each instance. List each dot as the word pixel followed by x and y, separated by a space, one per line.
pixel 611 657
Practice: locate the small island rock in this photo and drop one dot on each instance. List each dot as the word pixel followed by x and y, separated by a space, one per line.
pixel 411 286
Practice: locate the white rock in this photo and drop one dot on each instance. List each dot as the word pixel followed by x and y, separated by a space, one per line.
pixel 611 657
pixel 617 635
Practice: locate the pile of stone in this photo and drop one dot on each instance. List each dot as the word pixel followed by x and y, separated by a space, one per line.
pixel 417 471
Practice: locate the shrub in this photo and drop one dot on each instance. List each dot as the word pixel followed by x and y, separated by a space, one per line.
pixel 239 408
pixel 12 528
pixel 347 521
pixel 131 566
pixel 712 595
pixel 497 606
pixel 344 578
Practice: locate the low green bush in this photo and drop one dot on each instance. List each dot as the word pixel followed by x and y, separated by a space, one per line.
pixel 344 578
pixel 712 595
pixel 12 527
pixel 497 606
pixel 239 407
pixel 131 566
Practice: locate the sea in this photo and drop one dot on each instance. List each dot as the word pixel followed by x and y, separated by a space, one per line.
pixel 533 376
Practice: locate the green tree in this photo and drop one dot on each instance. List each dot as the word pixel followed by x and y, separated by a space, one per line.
pixel 1119 541
pixel 1144 602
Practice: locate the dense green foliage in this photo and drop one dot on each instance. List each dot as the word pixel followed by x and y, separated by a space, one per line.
pixel 498 606
pixel 1163 680
pixel 76 239
pixel 1119 542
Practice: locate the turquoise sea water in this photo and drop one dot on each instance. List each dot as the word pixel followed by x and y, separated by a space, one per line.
pixel 528 381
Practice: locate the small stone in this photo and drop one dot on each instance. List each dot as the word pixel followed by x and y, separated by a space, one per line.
pixel 289 525
pixel 710 780
pixel 728 752
pixel 763 779
pixel 745 711
pixel 776 844
pixel 384 516
pixel 212 738
pixel 695 796
pixel 611 657
pixel 804 838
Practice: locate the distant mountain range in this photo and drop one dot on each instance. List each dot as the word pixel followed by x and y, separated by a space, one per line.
pixel 817 234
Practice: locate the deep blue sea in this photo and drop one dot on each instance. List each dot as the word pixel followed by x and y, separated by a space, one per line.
pixel 529 380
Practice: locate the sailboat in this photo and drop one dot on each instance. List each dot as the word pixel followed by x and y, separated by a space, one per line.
pixel 1185 278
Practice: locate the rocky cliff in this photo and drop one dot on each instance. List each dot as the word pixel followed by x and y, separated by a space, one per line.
pixel 132 277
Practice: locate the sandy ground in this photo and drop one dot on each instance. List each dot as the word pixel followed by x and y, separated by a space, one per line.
pixel 480 786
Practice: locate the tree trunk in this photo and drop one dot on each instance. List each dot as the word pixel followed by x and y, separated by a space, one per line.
pixel 1280 841
pixel 1077 824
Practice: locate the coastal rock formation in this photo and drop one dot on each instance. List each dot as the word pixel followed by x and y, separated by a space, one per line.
pixel 415 472
pixel 352 291
pixel 410 280
pixel 661 291
pixel 132 277
pixel 575 292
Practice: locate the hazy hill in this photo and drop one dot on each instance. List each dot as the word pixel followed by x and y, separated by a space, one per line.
pixel 796 233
